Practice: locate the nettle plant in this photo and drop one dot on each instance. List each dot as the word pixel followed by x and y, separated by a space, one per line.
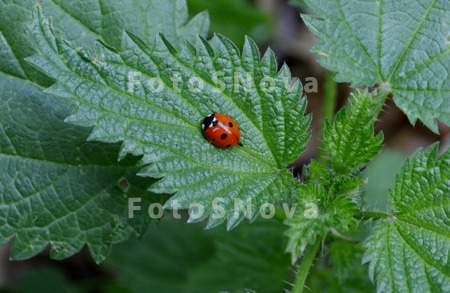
pixel 121 77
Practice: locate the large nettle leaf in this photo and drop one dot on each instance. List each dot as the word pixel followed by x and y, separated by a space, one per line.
pixel 56 188
pixel 154 98
pixel 404 46
pixel 409 251
pixel 84 21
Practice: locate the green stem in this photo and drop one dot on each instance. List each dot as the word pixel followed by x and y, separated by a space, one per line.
pixel 305 267
pixel 329 106
pixel 367 215
pixel 280 215
pixel 330 96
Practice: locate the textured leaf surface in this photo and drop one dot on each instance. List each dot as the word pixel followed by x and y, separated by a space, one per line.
pixel 84 21
pixel 316 215
pixel 409 252
pixel 402 45
pixel 55 188
pixel 327 202
pixel 116 92
pixel 349 142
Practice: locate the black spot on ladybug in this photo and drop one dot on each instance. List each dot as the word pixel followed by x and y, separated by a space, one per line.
pixel 223 136
pixel 230 124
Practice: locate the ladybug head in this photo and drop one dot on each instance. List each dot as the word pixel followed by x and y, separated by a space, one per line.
pixel 208 120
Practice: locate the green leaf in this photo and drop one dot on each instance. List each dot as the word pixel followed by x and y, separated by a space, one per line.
pixel 55 188
pixel 350 142
pixel 345 259
pixel 327 202
pixel 248 19
pixel 339 270
pixel 401 45
pixel 82 22
pixel 317 214
pixel 298 3
pixel 173 257
pixel 116 93
pixel 249 259
pixel 145 18
pixel 44 279
pixel 163 259
pixel 409 252
pixel 55 157
pixel 379 177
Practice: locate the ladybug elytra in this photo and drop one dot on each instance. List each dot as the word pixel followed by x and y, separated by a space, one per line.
pixel 221 130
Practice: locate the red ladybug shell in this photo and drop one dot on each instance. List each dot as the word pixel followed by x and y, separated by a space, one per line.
pixel 221 130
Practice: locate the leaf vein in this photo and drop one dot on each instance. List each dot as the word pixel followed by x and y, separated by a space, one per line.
pixel 411 40
pixel 425 259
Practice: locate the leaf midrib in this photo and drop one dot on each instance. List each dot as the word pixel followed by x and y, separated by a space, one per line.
pixel 243 113
pixel 344 19
pixel 411 40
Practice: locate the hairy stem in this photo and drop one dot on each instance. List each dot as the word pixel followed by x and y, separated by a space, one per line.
pixel 367 215
pixel 329 106
pixel 305 267
pixel 330 95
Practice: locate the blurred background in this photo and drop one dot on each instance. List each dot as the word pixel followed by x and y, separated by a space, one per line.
pixel 176 257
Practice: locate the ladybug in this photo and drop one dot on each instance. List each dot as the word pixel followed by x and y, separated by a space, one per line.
pixel 221 130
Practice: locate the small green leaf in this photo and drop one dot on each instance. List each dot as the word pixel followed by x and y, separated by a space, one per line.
pixel 344 256
pixel 379 177
pixel 328 201
pixel 317 214
pixel 339 270
pixel 56 188
pixel 116 93
pixel 409 252
pixel 403 45
pixel 350 142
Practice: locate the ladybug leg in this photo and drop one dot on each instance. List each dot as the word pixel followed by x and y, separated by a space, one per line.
pixel 240 143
